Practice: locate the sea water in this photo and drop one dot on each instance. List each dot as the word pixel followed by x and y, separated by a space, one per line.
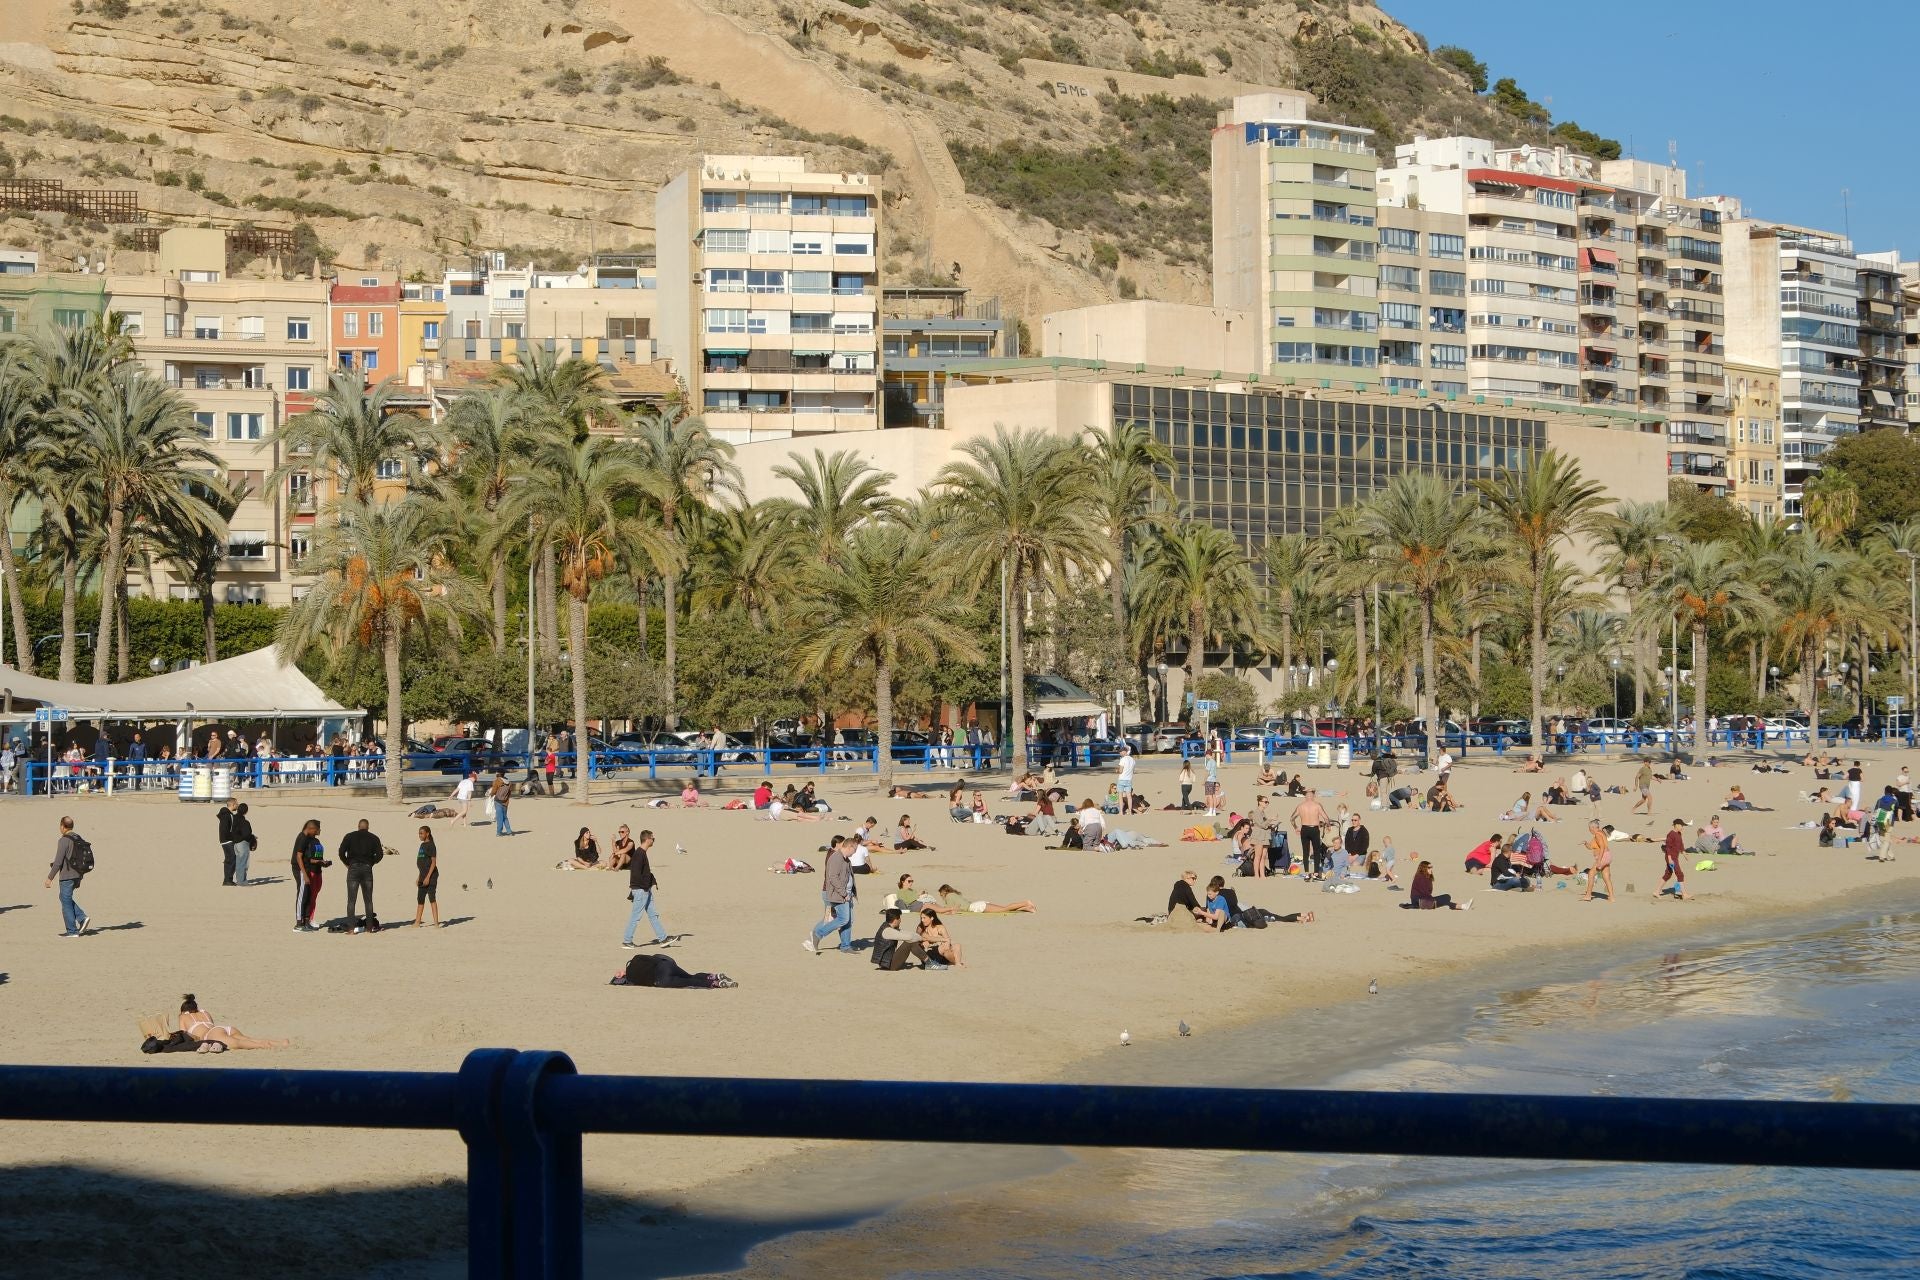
pixel 1828 1014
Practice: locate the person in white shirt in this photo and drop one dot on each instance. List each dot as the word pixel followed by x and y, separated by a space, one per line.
pixel 1093 823
pixel 463 794
pixel 1444 765
pixel 1126 779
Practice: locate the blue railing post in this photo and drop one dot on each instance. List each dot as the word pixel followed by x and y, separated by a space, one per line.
pixel 489 1173
pixel 544 1170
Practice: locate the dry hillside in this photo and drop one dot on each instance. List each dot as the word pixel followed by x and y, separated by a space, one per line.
pixel 409 132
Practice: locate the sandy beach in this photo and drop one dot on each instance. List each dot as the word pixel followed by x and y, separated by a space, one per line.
pixel 526 959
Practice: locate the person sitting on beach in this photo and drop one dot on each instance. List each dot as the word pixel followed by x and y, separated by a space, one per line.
pixel 586 853
pixel 1219 912
pixel 1042 821
pixel 763 794
pixel 1502 874
pixel 951 899
pixel 203 1028
pixel 1713 838
pixel 690 796
pixel 979 809
pixel 1296 785
pixel 1524 808
pixel 1440 797
pixel 1266 777
pixel 939 943
pixel 904 838
pixel 1558 793
pixel 622 852
pixel 1482 855
pixel 1180 898
pixel 1135 803
pixel 1534 764
pixel 1737 802
pixel 1219 891
pixel 1673 771
pixel 1093 823
pixel 1018 788
pixel 1422 897
pixel 892 948
pixel 957 806
pixel 1071 837
pixel 1380 862
pixel 808 802
pixel 905 896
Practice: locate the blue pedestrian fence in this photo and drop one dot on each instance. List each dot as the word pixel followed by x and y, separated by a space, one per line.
pixel 523 1116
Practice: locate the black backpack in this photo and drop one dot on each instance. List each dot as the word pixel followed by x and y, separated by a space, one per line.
pixel 80 858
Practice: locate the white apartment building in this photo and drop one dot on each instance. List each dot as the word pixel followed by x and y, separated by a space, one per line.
pixel 1294 237
pixel 769 295
pixel 1793 306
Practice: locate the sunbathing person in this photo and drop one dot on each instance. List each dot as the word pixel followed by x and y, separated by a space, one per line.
pixel 1219 892
pixel 951 899
pixel 203 1028
pixel 654 970
pixel 1534 764
pixel 1121 838
pixel 905 793
pixel 939 943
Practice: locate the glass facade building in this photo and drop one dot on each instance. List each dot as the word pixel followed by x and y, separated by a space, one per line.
pixel 1262 465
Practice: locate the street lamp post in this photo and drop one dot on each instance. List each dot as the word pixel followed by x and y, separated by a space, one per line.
pixel 1615 664
pixel 1913 632
pixel 1163 693
pixel 1377 672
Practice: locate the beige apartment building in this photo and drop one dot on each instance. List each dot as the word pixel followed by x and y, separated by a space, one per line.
pixel 1753 452
pixel 769 295
pixel 1294 239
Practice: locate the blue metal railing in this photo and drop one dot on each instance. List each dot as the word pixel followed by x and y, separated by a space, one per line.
pixel 523 1116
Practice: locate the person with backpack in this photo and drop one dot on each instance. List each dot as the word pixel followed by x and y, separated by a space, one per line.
pixel 361 850
pixel 227 857
pixel 72 859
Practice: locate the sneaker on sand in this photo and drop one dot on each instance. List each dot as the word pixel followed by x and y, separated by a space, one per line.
pixel 626 946
pixel 1467 905
pixel 84 922
pixel 806 944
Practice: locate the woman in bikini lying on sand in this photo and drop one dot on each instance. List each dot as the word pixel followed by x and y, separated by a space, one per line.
pixel 202 1027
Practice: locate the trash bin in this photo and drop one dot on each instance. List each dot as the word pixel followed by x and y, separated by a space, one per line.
pixel 222 784
pixel 202 782
pixel 1319 754
pixel 186 783
pixel 1345 760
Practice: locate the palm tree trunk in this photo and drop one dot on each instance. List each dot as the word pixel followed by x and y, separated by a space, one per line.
pixel 1117 580
pixel 1014 734
pixel 69 612
pixel 123 632
pixel 112 570
pixel 1473 663
pixel 640 594
pixel 1359 603
pixel 208 636
pixel 1429 695
pixel 577 659
pixel 549 620
pixel 1639 675
pixel 1196 650
pixel 22 640
pixel 1286 647
pixel 670 591
pixel 1810 674
pixel 500 600
pixel 1700 689
pixel 1537 660
pixel 396 731
pixel 883 729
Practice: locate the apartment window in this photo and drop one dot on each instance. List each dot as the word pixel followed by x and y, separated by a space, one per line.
pixel 760 241
pixel 204 327
pixel 766 282
pixel 1443 245
pixel 349 324
pixel 371 359
pixel 727 320
pixel 726 280
pixel 1767 432
pixel 299 546
pixel 1404 279
pixel 73 318
pixel 346 361
pixel 376 323
pixel 204 420
pixel 170 325
pixel 390 469
pixel 806 206
pixel 1399 240
pixel 6 320
pixel 244 426
pixel 854 246
pixel 852 322
pixel 515 329
pixel 807 246
pixel 849 206
pixel 132 323
pixel 765 201
pixel 200 277
pixel 1444 356
pixel 299 329
pixel 511 295
pixel 246 546
pixel 630 327
pixel 812 282
pixel 1399 315
pixel 255 378
pixel 725 240
pixel 253 328
pixel 430 330
pixel 1450 283
pixel 812 322
pixel 299 488
pixel 1767 474
pixel 719 201
pixel 1554 199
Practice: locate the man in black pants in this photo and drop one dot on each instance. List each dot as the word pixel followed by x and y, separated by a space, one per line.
pixel 226 840
pixel 360 850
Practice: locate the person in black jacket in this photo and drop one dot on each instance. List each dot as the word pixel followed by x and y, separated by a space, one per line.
pixel 360 849
pixel 309 862
pixel 640 886
pixel 661 971
pixel 225 818
pixel 242 844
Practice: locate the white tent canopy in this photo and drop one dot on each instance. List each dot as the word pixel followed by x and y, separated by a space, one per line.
pixel 253 686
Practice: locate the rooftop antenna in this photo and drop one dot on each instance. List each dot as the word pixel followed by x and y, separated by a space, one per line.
pixel 1846 212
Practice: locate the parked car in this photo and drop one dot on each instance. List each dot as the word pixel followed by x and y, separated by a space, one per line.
pixel 1246 737
pixel 1785 728
pixel 1488 729
pixel 656 746
pixel 457 755
pixel 1609 729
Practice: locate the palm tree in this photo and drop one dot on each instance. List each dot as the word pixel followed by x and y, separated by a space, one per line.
pixel 1638 540
pixel 351 430
pixel 1701 588
pixel 137 438
pixel 1294 574
pixel 745 561
pixel 196 551
pixel 1540 507
pixel 1894 551
pixel 685 466
pixel 1195 577
pixel 1018 503
pixel 381 573
pixel 578 486
pixel 881 602
pixel 66 496
pixel 1424 535
pixel 1351 569
pixel 1129 468
pixel 490 433
pixel 24 472
pixel 1831 502
pixel 838 493
pixel 1813 590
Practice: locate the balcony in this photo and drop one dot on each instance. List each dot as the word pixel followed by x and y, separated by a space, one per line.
pixel 301 501
pixel 1603 306
pixel 1653 372
pixel 1596 372
pixel 1353 253
pixel 1696 465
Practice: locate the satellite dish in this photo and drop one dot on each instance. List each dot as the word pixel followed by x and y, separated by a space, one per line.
pixel 81 262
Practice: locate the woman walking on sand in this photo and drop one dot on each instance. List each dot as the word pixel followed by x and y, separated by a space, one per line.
pixel 1602 869
pixel 427 878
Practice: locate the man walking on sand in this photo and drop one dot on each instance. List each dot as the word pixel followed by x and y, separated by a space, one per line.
pixel 836 892
pixel 72 859
pixel 1125 785
pixel 501 793
pixel 1675 851
pixel 360 849
pixel 1643 783
pixel 1307 817
pixel 641 882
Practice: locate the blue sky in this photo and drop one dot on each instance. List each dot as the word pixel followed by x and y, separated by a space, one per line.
pixel 1769 101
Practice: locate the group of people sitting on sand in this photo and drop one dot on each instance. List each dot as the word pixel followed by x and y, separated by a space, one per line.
pixel 1221 909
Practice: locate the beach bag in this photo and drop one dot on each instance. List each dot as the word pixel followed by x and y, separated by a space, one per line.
pixel 489 805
